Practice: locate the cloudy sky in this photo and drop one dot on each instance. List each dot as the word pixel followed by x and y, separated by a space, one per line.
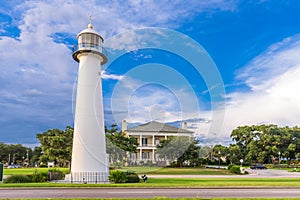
pixel 217 64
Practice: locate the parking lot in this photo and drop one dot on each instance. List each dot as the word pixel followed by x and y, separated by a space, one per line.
pixel 269 173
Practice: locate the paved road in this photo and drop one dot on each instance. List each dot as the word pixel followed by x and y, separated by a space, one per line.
pixel 167 192
pixel 148 192
pixel 269 173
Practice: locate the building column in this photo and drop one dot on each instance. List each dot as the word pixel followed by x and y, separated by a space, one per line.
pixel 141 144
pixel 153 156
pixel 153 141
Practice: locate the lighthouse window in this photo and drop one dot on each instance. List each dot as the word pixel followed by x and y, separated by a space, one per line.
pixel 80 39
pixel 88 38
pixel 93 39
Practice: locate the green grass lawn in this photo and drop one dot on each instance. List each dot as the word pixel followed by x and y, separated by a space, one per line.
pixel 167 182
pixel 139 170
pixel 224 182
pixel 177 171
pixel 29 171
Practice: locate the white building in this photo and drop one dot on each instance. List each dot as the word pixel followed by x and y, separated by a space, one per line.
pixel 149 135
pixel 89 158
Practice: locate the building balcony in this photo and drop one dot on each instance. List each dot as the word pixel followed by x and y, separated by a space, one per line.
pixel 146 146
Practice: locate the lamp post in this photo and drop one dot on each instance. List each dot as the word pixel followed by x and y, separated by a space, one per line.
pixel 279 157
pixel 219 153
pixel 27 157
pixel 14 158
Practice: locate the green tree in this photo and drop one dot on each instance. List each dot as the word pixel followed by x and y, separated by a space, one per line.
pixel 290 143
pixel 14 153
pixel 56 145
pixel 220 152
pixel 36 153
pixel 118 145
pixel 264 143
pixel 234 154
pixel 205 151
pixel 180 149
pixel 4 153
pixel 191 155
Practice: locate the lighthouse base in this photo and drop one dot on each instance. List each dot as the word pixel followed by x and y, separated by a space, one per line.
pixel 87 177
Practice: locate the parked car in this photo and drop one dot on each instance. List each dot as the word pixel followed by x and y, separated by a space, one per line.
pixel 258 166
pixel 13 166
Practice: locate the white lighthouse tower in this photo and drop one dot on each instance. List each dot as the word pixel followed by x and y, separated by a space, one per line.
pixel 89 158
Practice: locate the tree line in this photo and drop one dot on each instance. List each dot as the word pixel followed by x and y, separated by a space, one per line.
pixel 265 144
pixel 14 153
pixel 257 143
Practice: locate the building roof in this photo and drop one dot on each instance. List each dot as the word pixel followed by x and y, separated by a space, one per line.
pixel 90 30
pixel 157 127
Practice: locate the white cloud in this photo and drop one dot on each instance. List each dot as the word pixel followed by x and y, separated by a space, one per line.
pixel 274 79
pixel 37 73
pixel 106 76
pixel 275 61
pixel 142 101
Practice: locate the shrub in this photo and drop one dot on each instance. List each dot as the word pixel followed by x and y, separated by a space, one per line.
pixel 117 176
pixel 235 169
pixel 269 166
pixel 43 165
pixel 39 177
pixel 132 177
pixel 174 165
pixel 18 179
pixel 229 166
pixel 149 163
pixel 124 177
pixel 36 177
pixel 55 174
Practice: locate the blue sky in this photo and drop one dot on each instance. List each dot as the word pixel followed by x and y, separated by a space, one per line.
pixel 217 64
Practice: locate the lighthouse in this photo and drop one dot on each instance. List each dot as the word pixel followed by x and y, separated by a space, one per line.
pixel 89 159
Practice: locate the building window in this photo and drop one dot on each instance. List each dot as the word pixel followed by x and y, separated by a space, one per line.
pixel 145 155
pixel 144 142
pixel 157 142
pixel 133 156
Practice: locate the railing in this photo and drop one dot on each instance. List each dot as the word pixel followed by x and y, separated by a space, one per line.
pixel 147 145
pixel 87 177
pixel 143 160
pixel 88 46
